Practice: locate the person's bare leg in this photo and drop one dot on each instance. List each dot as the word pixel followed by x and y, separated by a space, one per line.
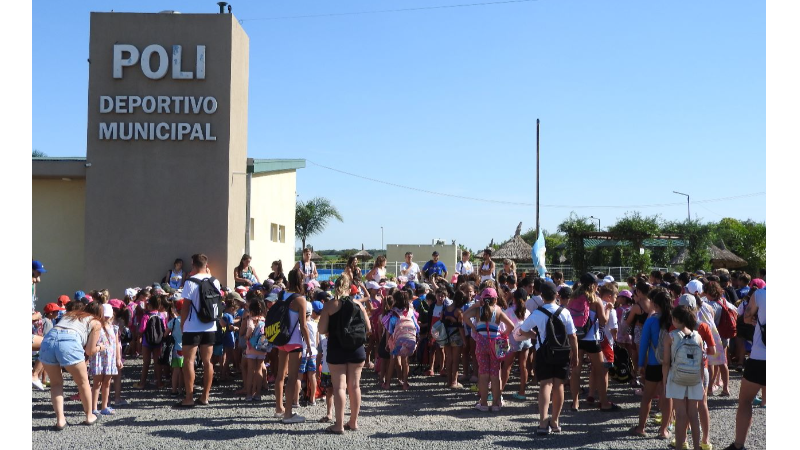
pixel 545 392
pixel 81 379
pixel 744 411
pixel 496 392
pixel 523 370
pixel 600 375
pixel 455 359
pixel 157 370
pixel 390 369
pixel 118 387
pixel 694 422
pixel 97 383
pixel 38 369
pixel 404 365
pixel 505 372
pixel 354 390
pixel 681 420
pixel 575 381
pixel 311 387
pixel 280 381
pixel 705 418
pixel 146 352
pixel 557 395
pixel 725 379
pixel 483 388
pixel 208 371
pixel 665 404
pixel 339 381
pixel 37 343
pixel 648 392
pixel 56 392
pixel 291 384
pixel 189 352
pixel 106 386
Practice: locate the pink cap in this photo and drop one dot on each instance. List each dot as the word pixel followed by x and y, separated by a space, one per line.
pixel 758 283
pixel 488 293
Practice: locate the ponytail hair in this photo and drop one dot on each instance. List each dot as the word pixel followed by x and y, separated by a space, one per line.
pixel 519 303
pixel 662 298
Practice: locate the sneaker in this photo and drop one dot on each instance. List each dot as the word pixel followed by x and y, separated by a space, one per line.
pixel 489 398
pixel 296 418
pixel 38 384
pixel 107 411
pixel 481 408
pixel 495 408
pixel 517 396
pixel 757 401
pixel 296 406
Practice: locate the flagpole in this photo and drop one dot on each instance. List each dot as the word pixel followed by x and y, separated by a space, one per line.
pixel 537 178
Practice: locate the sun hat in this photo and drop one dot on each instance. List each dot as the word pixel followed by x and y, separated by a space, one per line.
pixel 38 267
pixel 687 300
pixel 694 287
pixel 235 297
pixel 390 285
pixel 52 307
pixel 626 293
pixel 605 280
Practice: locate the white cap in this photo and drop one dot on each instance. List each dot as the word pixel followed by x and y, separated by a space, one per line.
pixel 607 279
pixel 694 287
pixel 108 310
pixel 373 285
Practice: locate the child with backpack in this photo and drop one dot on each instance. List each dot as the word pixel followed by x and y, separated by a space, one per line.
pixel 517 312
pixel 553 333
pixel 382 348
pixel 255 357
pixel 325 378
pixel 452 318
pixel 228 340
pixel 683 371
pixel 105 364
pixel 403 330
pixel 153 329
pixel 121 321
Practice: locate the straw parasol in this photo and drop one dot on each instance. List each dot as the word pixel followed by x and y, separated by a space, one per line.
pixel 720 258
pixel 363 254
pixel 516 249
pixel 316 257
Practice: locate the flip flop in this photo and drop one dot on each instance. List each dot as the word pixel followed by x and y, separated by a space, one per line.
pixel 614 407
pixel 201 403
pixel 60 427
pixel 89 424
pixel 181 405
pixel 347 427
pixel 332 431
pixel 325 420
pixel 632 431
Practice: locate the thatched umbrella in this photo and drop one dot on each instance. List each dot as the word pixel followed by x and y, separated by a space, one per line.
pixel 316 257
pixel 516 249
pixel 363 254
pixel 720 258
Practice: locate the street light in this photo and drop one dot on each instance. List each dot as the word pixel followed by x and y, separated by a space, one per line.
pixel 381 238
pixel 598 222
pixel 688 213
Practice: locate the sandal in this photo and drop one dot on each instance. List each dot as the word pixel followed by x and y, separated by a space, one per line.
pixel 88 424
pixel 613 408
pixel 200 402
pixel 555 429
pixel 517 396
pixel 181 405
pixel 332 431
pixel 544 431
pixel 325 419
pixel 347 427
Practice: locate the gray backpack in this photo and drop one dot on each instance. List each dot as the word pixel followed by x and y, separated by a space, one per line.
pixel 687 359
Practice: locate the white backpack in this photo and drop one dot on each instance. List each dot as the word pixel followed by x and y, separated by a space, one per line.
pixel 687 358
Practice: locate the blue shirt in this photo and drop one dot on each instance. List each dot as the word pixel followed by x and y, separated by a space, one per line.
pixel 229 340
pixel 649 343
pixel 742 292
pixel 431 268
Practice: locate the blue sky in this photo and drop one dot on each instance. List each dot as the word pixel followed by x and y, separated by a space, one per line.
pixel 637 99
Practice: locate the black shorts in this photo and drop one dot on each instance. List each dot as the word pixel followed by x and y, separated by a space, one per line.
pixel 337 355
pixel 755 371
pixel 325 381
pixel 198 338
pixel 382 352
pixel 653 373
pixel 544 371
pixel 589 346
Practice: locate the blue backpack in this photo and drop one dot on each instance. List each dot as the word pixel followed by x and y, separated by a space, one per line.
pixel 258 340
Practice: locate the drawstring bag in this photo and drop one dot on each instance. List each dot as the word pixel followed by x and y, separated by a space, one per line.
pixel 500 345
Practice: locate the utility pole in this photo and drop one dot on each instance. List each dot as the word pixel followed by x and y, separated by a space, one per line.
pixel 688 212
pixel 598 222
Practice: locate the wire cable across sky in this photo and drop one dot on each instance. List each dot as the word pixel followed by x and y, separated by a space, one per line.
pixel 503 202
pixel 421 8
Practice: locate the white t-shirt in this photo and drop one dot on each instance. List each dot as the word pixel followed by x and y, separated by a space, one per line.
pixel 537 321
pixel 534 302
pixel 610 325
pixel 513 318
pixel 464 268
pixel 308 269
pixel 593 334
pixel 759 350
pixel 191 292
pixel 412 272
pixel 312 335
pixel 323 345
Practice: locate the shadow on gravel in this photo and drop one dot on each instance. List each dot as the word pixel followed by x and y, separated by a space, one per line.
pixel 232 433
pixel 433 435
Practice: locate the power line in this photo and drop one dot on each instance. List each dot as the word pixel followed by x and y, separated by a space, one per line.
pixel 503 202
pixel 422 8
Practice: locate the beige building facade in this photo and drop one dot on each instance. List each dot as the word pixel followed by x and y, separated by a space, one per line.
pixel 448 254
pixel 166 172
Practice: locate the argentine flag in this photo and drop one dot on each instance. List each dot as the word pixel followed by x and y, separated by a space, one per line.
pixel 537 254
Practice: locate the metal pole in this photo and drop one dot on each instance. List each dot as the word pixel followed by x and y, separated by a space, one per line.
pixel 537 177
pixel 688 212
pixel 381 238
pixel 598 222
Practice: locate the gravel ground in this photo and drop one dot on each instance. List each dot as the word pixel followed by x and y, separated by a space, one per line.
pixel 429 414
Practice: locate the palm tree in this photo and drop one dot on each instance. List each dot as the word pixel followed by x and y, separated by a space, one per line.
pixel 312 216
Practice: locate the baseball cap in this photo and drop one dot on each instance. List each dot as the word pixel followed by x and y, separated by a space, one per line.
pixel 241 290
pixel 626 293
pixel 353 290
pixel 167 288
pixel 235 297
pixel 108 310
pixel 588 278
pixel 700 272
pixel 79 295
pixel 687 300
pixel 272 297
pixel 257 286
pixel 694 287
pixel 52 307
pixel 321 295
pixel 549 288
pixel 607 279
pixel 390 285
pixel 38 266
pixel 425 286
pixel 488 293
pixel 130 292
pixel 63 299
pixel 373 285
pixel 412 285
pixel 757 283
pixel 317 306
pixel 116 303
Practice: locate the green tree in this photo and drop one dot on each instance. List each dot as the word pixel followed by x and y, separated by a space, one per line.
pixel 635 228
pixel 697 237
pixel 551 241
pixel 312 217
pixel 39 154
pixel 573 228
pixel 747 239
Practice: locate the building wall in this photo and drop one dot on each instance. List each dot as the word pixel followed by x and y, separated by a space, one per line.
pixel 272 201
pixel 422 254
pixel 149 202
pixel 58 236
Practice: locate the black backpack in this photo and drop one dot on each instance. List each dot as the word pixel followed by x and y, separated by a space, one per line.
pixel 351 331
pixel 154 331
pixel 555 349
pixel 209 300
pixel 277 327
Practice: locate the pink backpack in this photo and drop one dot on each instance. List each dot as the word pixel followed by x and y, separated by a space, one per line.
pixel 579 310
pixel 403 341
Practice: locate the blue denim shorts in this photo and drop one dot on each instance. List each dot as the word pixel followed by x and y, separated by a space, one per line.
pixel 61 348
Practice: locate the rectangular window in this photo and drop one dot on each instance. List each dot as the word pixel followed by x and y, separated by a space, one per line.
pixel 252 229
pixel 273 232
pixel 282 234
